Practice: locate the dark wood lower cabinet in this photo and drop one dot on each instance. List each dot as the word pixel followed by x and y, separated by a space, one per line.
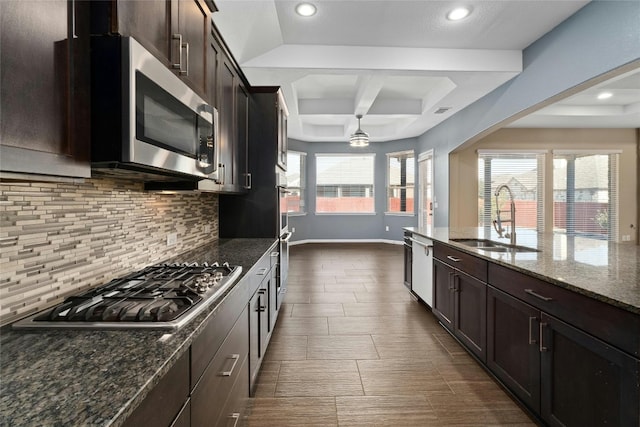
pixel 586 382
pixel 460 303
pixel 165 401
pixel 512 345
pixel 209 396
pixel 443 293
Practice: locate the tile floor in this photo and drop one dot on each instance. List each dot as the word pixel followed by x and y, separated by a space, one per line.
pixel 351 348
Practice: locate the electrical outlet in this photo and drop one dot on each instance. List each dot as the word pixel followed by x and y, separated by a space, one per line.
pixel 293 229
pixel 172 239
pixel 207 228
pixel 386 228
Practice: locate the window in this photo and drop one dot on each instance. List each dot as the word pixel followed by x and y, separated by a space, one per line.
pixel 344 183
pixel 524 174
pixel 400 182
pixel 585 189
pixel 296 183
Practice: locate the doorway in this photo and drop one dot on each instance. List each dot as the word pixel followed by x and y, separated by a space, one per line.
pixel 425 185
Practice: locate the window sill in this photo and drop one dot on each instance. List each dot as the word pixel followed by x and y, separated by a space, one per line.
pixel 290 214
pixel 346 213
pixel 400 214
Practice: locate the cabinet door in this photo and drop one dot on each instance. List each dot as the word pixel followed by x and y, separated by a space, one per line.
pixel 470 313
pixel 227 123
pixel 282 132
pixel 240 175
pixel 584 380
pixel 44 95
pixel 147 22
pixel 512 345
pixel 443 299
pixel 193 27
pixel 254 338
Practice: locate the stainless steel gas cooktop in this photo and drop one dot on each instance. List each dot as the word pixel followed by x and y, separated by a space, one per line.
pixel 163 296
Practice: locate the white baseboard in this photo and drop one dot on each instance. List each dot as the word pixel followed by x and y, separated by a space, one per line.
pixel 387 241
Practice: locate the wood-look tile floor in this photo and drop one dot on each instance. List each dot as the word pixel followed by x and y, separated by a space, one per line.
pixel 352 348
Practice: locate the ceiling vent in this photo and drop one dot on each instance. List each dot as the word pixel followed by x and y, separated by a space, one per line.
pixel 442 110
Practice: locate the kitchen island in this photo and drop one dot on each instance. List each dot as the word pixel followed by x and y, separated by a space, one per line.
pixel 68 377
pixel 555 319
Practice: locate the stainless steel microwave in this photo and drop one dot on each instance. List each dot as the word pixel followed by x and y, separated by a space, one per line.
pixel 145 119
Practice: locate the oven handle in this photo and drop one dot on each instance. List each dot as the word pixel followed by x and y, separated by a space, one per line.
pixel 288 236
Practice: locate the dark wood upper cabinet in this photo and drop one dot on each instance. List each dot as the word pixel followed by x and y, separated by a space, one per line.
pixel 44 94
pixel 174 31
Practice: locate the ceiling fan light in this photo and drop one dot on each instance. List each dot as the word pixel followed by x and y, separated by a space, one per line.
pixel 458 13
pixel 306 9
pixel 359 138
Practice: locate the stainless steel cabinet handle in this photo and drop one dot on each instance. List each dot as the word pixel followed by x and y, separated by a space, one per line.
pixel 542 347
pixel 235 358
pixel 451 278
pixel 185 72
pixel 288 236
pixel 454 259
pixel 235 417
pixel 262 272
pixel 275 254
pixel 531 339
pixel 224 172
pixel 178 65
pixel 543 298
pixel 247 181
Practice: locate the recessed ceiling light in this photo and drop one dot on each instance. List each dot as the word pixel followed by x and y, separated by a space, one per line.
pixel 306 9
pixel 458 13
pixel 604 95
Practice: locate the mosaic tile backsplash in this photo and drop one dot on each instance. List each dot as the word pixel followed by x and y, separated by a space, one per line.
pixel 59 238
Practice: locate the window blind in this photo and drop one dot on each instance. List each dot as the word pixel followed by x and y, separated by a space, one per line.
pixel 344 183
pixel 585 194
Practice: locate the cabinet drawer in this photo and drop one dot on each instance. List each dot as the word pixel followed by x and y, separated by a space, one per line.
pixel 234 409
pixel 210 394
pixel 164 402
pixel 259 271
pixel 220 323
pixel 470 264
pixel 613 325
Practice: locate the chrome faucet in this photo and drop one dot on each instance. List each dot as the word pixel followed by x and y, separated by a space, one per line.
pixel 497 223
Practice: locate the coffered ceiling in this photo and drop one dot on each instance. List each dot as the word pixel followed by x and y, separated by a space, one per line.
pixel 401 64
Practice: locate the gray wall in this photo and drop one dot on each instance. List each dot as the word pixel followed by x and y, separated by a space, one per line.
pixel 602 36
pixel 348 227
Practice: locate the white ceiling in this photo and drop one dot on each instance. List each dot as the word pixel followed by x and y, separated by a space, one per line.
pixel 585 110
pixel 395 62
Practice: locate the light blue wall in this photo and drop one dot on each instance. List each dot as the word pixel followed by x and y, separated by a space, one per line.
pixel 347 227
pixel 602 36
pixel 599 38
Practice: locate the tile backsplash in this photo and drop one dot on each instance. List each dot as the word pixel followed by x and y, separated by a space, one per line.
pixel 58 238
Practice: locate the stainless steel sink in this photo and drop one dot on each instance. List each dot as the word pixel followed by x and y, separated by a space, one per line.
pixel 491 246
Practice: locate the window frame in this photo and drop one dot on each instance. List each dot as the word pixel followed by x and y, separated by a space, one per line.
pixel 339 186
pixel 388 186
pixel 302 189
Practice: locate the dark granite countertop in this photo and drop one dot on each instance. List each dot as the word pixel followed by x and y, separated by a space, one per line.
pixel 602 270
pixel 97 378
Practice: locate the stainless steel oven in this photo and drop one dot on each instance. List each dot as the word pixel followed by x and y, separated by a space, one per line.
pixel 285 234
pixel 144 118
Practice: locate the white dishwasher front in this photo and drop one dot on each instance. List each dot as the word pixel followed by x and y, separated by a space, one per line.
pixel 422 269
